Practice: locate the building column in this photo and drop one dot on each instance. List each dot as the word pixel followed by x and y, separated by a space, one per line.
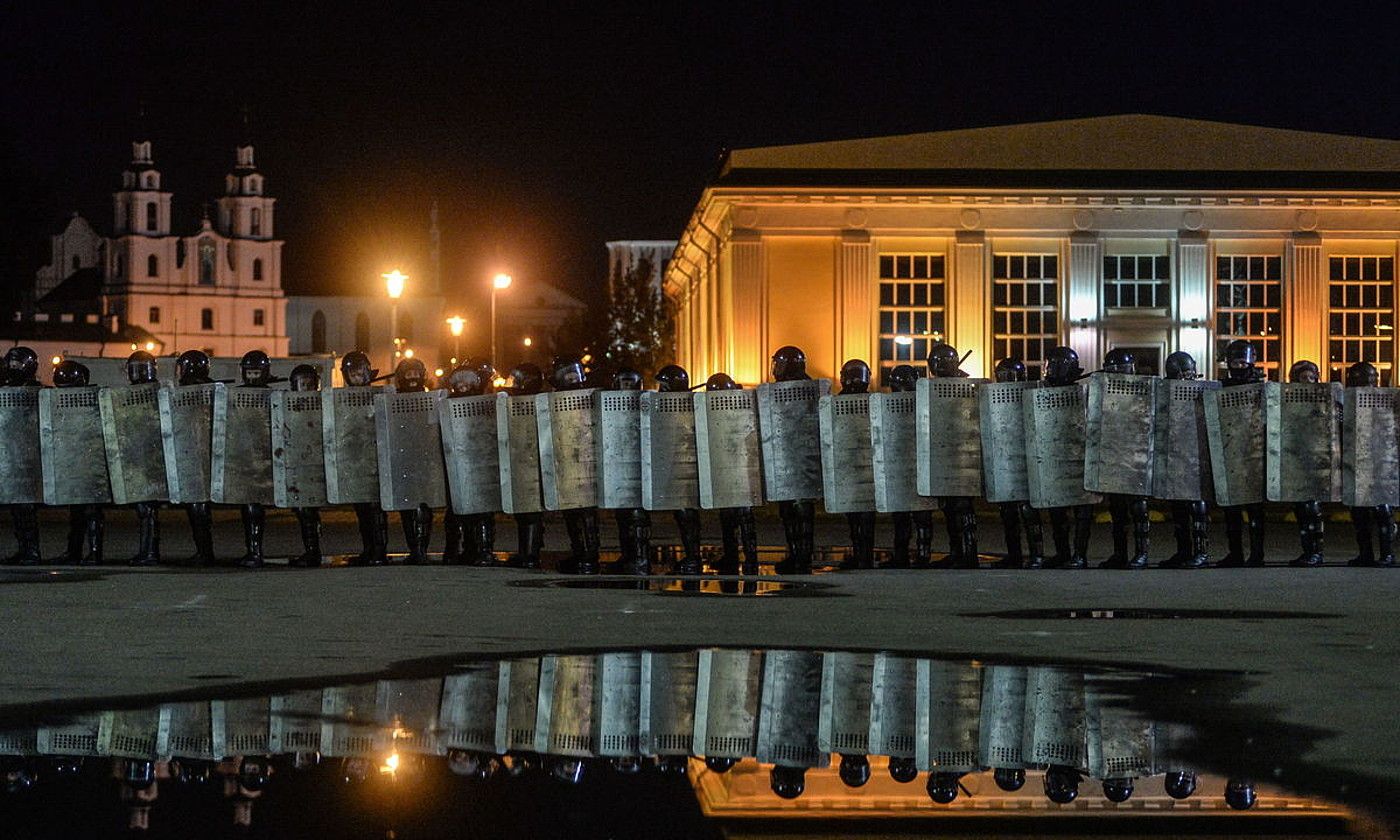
pixel 968 299
pixel 1082 297
pixel 748 285
pixel 854 300
pixel 1305 303
pixel 1193 294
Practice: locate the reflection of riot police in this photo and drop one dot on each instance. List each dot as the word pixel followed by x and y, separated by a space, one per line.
pixel 1308 513
pixel 255 368
pixel 410 377
pixel 943 787
pixel 306 378
pixel 526 379
pixel 1190 525
pixel 855 379
pixel 21 370
pixel 141 370
pixel 192 368
pixel 675 379
pixel 958 513
pixel 1062 784
pixel 567 374
pixel 798 515
pixel 1240 794
pixel 737 527
pixel 1381 518
pixel 1127 512
pixel 373 521
pixel 1241 368
pixel 633 524
pixel 918 523
pixel 470 538
pixel 84 521
pixel 1018 515
pixel 1062 369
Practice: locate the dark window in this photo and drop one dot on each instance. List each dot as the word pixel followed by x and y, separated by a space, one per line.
pixel 911 307
pixel 258 317
pixel 1361 322
pixel 255 222
pixel 75 263
pixel 154 315
pixel 1136 282
pixel 257 269
pixel 152 266
pixel 206 319
pixel 361 331
pixel 207 258
pixel 151 213
pixel 318 332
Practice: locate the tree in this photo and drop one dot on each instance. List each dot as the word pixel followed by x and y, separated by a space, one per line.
pixel 640 321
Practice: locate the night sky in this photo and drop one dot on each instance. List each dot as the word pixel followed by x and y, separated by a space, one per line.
pixel 544 131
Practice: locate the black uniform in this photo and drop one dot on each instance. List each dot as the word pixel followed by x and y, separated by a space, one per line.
pixel 1380 519
pixel 372 519
pixel 192 368
pixel 737 528
pixel 141 370
pixel 21 370
pixel 307 378
pixel 567 374
pixel 633 524
pixel 471 538
pixel 410 377
pixel 1062 368
pixel 256 370
pixel 1128 513
pixel 1016 516
pixel 855 379
pixel 85 522
pixel 958 512
pixel 1241 369
pixel 1190 524
pixel 675 379
pixel 526 379
pixel 916 525
pixel 798 515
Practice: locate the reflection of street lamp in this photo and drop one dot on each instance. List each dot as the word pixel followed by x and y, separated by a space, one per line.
pixel 456 323
pixel 499 282
pixel 394 281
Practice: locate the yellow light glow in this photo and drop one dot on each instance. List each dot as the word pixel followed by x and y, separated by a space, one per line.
pixel 437 372
pixel 133 345
pixel 456 323
pixel 57 359
pixel 453 360
pixel 528 342
pixel 499 382
pixel 903 340
pixel 408 354
pixel 395 281
pixel 502 281
pixel 150 345
pixel 391 764
pixel 587 357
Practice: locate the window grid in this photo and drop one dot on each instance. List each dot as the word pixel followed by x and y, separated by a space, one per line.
pixel 913 307
pixel 1361 316
pixel 1135 281
pixel 1025 308
pixel 1249 305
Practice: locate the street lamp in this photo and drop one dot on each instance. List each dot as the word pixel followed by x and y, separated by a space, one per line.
pixel 456 323
pixel 499 282
pixel 394 281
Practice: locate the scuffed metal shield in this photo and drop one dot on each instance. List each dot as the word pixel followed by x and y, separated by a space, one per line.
pixel 298 450
pixel 790 433
pixel 1370 462
pixel 1303 459
pixel 1002 423
pixel 71 447
pixel 518 454
pixel 618 438
pixel 517 704
pixel 76 737
pixel 848 469
pixel 469 448
pixel 1118 439
pixel 242 446
pixel 1119 741
pixel 1055 420
pixel 1001 731
pixel 186 730
pixel 790 709
pixel 948 716
pixel 727 688
pixel 129 733
pixel 894 442
pixel 348 724
pixel 19 741
pixel 131 438
pixel 1236 432
pixel 617 701
pixel 411 470
pixel 670 472
pixel 568 465
pixel 1181 452
pixel 21 471
pixel 949 439
pixel 186 430
pixel 468 712
pixel 1054 727
pixel 564 716
pixel 241 727
pixel 294 722
pixel 845 703
pixel 727 449
pixel 666 718
pixel 893 707
pixel 407 711
pixel 351 445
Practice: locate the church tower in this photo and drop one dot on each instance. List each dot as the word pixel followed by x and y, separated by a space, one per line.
pixel 245 219
pixel 141 246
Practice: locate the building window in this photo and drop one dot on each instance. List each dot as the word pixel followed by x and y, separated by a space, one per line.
pixel 206 319
pixel 207 258
pixel 1137 282
pixel 1025 308
pixel 257 269
pixel 912 307
pixel 258 317
pixel 118 266
pixel 153 316
pixel 361 331
pixel 255 222
pixel 75 263
pixel 1249 305
pixel 318 332
pixel 1361 320
pixel 152 266
pixel 150 216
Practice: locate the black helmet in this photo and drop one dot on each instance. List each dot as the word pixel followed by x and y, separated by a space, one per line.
pixel 1304 371
pixel 1240 794
pixel 1118 790
pixel 253 773
pixel 1119 360
pixel 472 764
pixel 1061 784
pixel 672 765
pixel 305 378
pixel 526 378
pixel 1240 355
pixel 465 381
pixel 943 360
pixel 1363 375
pixel 854 770
pixel 191 772
pixel 138 774
pixel 943 787
pixel 255 367
pixel 140 368
pixel 1010 370
pixel 721 382
pixel 355 369
pixel 627 379
pixel 192 367
pixel 1180 365
pixel 789 363
pixel 787 782
pixel 855 377
pixel 567 770
pixel 21 366
pixel 1179 784
pixel 410 376
pixel 1009 779
pixel 566 373
pixel 1062 366
pixel 70 374
pixel 627 765
pixel 672 378
pixel 484 369
pixel 903 378
pixel 903 769
pixel 720 764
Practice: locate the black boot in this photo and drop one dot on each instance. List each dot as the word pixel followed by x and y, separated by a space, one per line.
pixel 1384 518
pixel 1142 532
pixel 26 536
pixel 1200 536
pixel 622 517
pixel 688 523
pixel 967 533
pixel 1010 514
pixel 1119 520
pixel 309 520
pixel 455 536
pixel 1035 535
pixel 639 540
pixel 1361 523
pixel 1309 515
pixel 417 533
pixel 148 528
pixel 1060 534
pixel 950 525
pixel 862 529
pixel 1256 535
pixel 1234 538
pixel 797 517
pixel 481 539
pixel 729 527
pixel 923 538
pixel 586 550
pixel 202 531
pixel 95 527
pixel 529 539
pixel 962 534
pixel 374 536
pixel 1083 526
pixel 903 532
pixel 77 535
pixel 254 521
pixel 748 541
pixel 1181 533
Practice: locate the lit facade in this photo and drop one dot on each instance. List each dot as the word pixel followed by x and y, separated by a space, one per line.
pixel 1154 233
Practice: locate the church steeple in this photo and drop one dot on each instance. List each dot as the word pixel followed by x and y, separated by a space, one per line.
pixel 244 211
pixel 141 207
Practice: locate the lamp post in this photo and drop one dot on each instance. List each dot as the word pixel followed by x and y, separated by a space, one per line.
pixel 456 323
pixel 394 282
pixel 499 282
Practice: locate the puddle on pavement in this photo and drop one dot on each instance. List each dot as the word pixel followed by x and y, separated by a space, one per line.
pixel 744 587
pixel 678 743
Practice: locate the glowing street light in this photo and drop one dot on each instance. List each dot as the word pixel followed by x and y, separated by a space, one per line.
pixel 499 282
pixel 528 341
pixel 394 283
pixel 456 324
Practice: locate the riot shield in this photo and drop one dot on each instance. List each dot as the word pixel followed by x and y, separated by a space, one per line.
pixel 894 440
pixel 790 710
pixel 21 470
pixel 1118 437
pixel 666 719
pixel 1370 462
pixel 468 712
pixel 1054 422
pixel 1119 741
pixel 948 716
pixel 298 450
pixel 1236 432
pixel 1303 459
pixel 469 448
pixel 19 741
pixel 1181 451
pixel 949 438
pixel 76 737
pixel 564 717
pixel 845 703
pixel 893 712
pixel 186 730
pixel 351 445
pixel 411 470
pixel 568 466
pixel 1054 725
pixel 1001 418
pixel 517 704
pixel 848 469
pixel 229 369
pixel 241 450
pixel 348 724
pixel 1001 730
pixel 131 438
pixel 294 722
pixel 129 734
pixel 790 436
pixel 407 711
pixel 670 474
pixel 727 449
pixel 617 700
pixel 518 454
pixel 72 453
pixel 241 727
pixel 186 428
pixel 727 687
pixel 618 439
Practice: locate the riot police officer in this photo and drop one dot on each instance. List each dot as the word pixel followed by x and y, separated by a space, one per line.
pixel 789 364
pixel 305 378
pixel 141 370
pixel 21 371
pixel 1126 512
pixel 1381 518
pixel 373 521
pixel 1241 368
pixel 917 524
pixel 1308 513
pixel 192 368
pixel 1190 524
pixel 633 524
pixel 855 379
pixel 958 513
pixel 1016 516
pixel 1061 369
pixel 410 377
pixel 470 538
pixel 674 379
pixel 737 527
pixel 85 522
pixel 527 379
pixel 1240 794
pixel 567 374
pixel 255 369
